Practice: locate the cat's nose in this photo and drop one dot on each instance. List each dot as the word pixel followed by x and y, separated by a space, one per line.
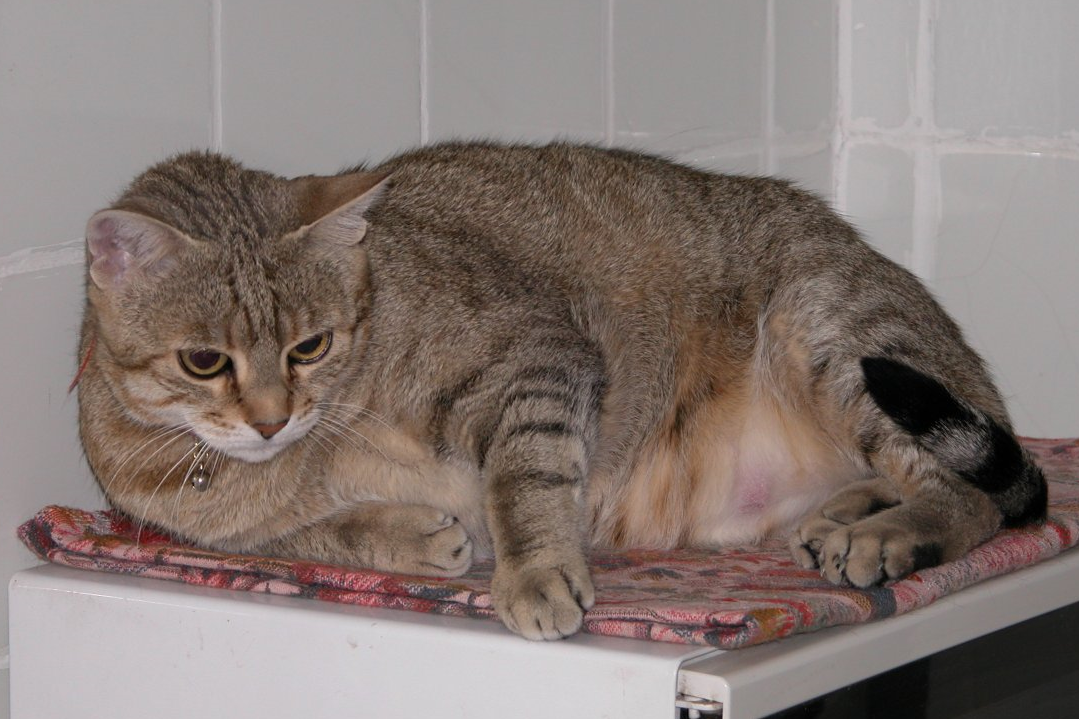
pixel 269 429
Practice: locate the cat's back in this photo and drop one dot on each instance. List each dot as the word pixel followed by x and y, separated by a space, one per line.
pixel 607 219
pixel 524 185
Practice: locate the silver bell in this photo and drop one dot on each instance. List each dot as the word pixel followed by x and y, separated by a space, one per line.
pixel 200 481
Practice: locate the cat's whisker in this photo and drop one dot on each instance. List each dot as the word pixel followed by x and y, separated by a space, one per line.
pixel 338 407
pixel 176 501
pixel 340 416
pixel 215 460
pixel 340 434
pixel 150 499
pixel 157 434
pixel 217 457
pixel 343 423
pixel 344 430
pixel 133 475
pixel 325 443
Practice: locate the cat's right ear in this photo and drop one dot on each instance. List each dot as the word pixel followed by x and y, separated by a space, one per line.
pixel 126 245
pixel 334 209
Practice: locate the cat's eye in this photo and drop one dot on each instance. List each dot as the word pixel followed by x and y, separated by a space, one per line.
pixel 312 349
pixel 204 363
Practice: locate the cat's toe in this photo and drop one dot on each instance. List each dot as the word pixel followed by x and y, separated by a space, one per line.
pixel 891 555
pixel 807 542
pixel 416 539
pixel 833 556
pixel 441 521
pixel 862 565
pixel 447 549
pixel 545 602
pixel 853 556
pixel 805 552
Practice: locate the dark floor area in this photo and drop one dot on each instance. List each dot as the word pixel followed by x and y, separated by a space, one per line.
pixel 1029 671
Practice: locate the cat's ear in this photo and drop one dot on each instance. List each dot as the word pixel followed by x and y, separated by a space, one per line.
pixel 123 245
pixel 334 209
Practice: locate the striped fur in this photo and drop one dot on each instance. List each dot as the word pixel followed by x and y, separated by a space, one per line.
pixel 534 350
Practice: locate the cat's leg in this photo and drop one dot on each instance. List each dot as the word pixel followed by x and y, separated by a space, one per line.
pixel 387 536
pixel 529 422
pixel 960 475
pixel 534 469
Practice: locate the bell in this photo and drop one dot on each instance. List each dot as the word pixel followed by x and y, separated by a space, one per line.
pixel 200 480
pixel 197 475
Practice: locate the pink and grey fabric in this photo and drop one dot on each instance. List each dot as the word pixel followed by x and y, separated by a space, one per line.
pixel 732 598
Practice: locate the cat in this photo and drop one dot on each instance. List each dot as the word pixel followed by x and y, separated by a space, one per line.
pixel 476 349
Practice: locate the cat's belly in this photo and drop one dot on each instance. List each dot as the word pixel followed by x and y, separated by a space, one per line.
pixel 737 477
pixel 765 481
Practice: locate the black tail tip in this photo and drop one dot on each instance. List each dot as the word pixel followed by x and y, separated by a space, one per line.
pixel 915 401
pixel 997 465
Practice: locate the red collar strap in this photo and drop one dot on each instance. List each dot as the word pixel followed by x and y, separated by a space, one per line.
pixel 82 365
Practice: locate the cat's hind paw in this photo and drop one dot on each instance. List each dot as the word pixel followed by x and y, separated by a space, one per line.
pixel 847 507
pixel 873 550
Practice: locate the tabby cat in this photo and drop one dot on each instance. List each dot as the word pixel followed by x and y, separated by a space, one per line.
pixel 527 351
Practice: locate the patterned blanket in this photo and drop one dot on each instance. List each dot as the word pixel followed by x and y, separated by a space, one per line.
pixel 728 599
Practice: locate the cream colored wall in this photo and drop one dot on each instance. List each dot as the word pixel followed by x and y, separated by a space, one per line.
pixel 946 130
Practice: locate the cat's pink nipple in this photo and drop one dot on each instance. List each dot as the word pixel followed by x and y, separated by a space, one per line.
pixel 268 430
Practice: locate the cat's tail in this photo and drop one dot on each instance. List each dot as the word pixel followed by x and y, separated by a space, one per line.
pixel 964 440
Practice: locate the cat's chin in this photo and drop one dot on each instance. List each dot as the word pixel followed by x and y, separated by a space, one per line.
pixel 248 452
pixel 254 456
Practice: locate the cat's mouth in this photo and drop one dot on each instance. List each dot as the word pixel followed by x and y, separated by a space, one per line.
pixel 247 445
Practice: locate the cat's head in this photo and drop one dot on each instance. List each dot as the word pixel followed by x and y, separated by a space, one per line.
pixel 229 301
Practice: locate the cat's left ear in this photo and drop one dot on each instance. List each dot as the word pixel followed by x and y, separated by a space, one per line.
pixel 335 208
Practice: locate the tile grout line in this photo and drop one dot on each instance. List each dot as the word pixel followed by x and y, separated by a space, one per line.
pixel 217 122
pixel 425 115
pixel 906 138
pixel 608 73
pixel 768 95
pixel 37 259
pixel 844 40
pixel 926 202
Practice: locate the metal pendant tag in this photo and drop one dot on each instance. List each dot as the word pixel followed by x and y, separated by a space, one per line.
pixel 197 475
pixel 200 481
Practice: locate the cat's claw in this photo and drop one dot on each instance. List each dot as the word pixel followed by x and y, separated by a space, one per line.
pixel 543 602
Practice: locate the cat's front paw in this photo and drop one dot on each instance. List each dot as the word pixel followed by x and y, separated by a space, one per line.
pixel 436 544
pixel 411 539
pixel 543 602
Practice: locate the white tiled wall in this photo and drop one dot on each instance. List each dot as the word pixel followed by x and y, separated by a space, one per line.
pixel 956 149
pixel 314 86
pixel 658 55
pixel 948 131
pixel 515 69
